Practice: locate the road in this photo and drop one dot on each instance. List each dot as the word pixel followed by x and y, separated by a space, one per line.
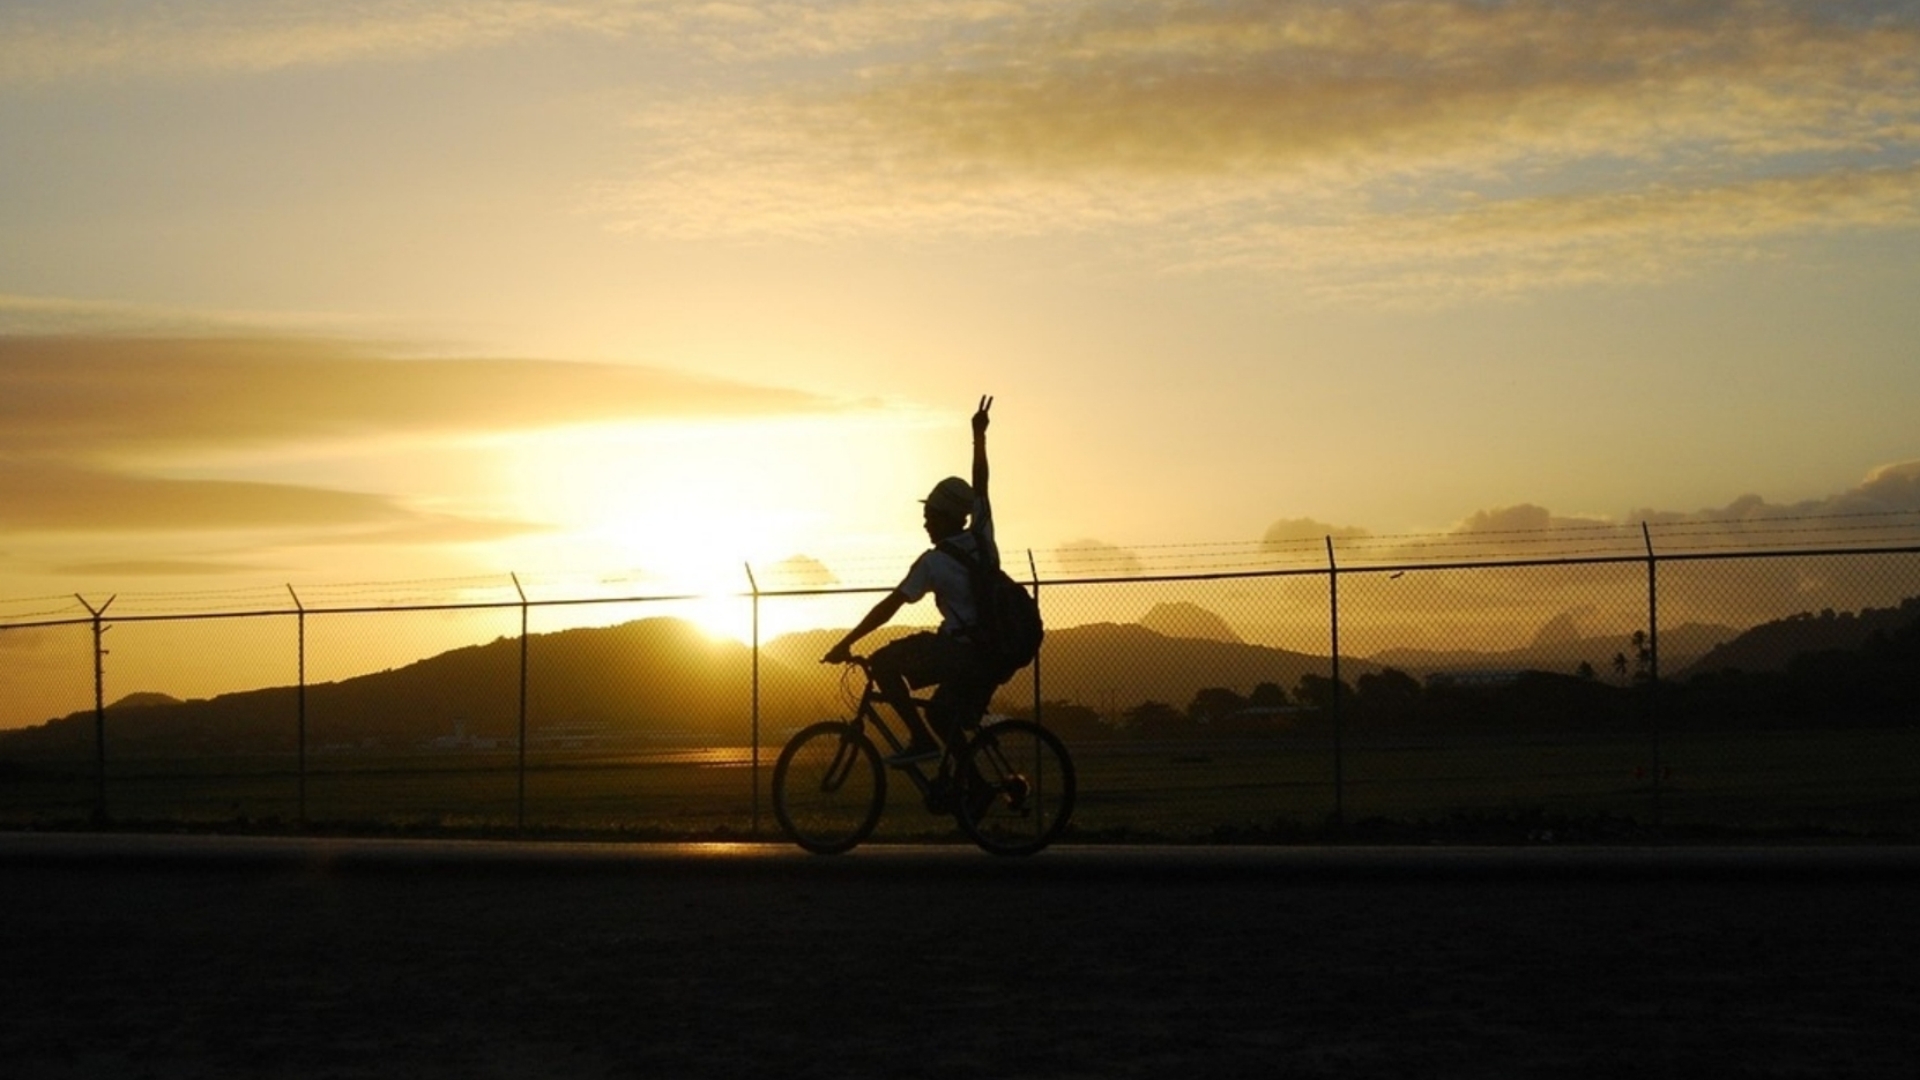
pixel 195 956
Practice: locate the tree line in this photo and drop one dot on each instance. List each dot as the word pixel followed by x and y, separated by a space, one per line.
pixel 1873 685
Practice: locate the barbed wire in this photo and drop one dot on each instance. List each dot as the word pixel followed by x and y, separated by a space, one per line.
pixel 1891 529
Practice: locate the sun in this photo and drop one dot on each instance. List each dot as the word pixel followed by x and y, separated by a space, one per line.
pixel 722 610
pixel 696 508
pixel 691 510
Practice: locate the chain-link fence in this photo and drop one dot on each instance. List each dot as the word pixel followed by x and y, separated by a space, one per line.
pixel 1558 683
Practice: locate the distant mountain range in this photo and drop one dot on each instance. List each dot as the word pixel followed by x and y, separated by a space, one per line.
pixel 1182 619
pixel 1681 647
pixel 1772 646
pixel 663 679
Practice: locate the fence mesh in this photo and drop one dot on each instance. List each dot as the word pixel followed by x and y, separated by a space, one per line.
pixel 1529 684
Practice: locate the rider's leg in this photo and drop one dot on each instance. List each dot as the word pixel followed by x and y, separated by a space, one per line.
pixel 897 667
pixel 962 697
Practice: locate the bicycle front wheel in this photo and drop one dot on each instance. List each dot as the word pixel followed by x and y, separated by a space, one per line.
pixel 828 788
pixel 1016 788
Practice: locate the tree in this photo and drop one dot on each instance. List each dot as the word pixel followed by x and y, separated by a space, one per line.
pixel 1267 695
pixel 1642 656
pixel 1318 691
pixel 1213 703
pixel 1390 694
pixel 1075 722
pixel 1158 720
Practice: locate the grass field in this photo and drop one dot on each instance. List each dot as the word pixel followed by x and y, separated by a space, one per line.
pixel 1856 783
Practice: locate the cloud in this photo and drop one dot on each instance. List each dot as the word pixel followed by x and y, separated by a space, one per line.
pixel 71 40
pixel 86 423
pixel 1883 509
pixel 42 496
pixel 52 42
pixel 1510 144
pixel 1178 87
pixel 796 572
pixel 1525 243
pixel 125 568
pixel 1094 558
pixel 95 397
pixel 1593 580
pixel 1411 149
pixel 1892 489
pixel 1523 518
pixel 1416 149
pixel 1296 533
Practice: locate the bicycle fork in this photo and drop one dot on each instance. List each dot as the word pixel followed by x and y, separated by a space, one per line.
pixel 845 757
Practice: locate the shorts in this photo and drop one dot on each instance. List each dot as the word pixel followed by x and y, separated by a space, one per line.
pixel 943 660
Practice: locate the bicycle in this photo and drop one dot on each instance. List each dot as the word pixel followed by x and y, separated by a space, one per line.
pixel 1008 783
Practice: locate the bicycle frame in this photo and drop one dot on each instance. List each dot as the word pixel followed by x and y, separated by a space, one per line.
pixel 1008 783
pixel 866 717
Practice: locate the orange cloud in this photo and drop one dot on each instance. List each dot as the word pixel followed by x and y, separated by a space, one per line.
pixel 1411 146
pixel 97 396
pixel 228 38
pixel 1094 558
pixel 41 496
pixel 83 420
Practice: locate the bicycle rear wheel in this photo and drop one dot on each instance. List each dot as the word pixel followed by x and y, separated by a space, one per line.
pixel 828 788
pixel 1016 786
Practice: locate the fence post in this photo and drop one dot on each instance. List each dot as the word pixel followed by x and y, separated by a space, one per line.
pixel 520 794
pixel 99 708
pixel 753 715
pixel 1033 572
pixel 300 707
pixel 1653 675
pixel 1333 643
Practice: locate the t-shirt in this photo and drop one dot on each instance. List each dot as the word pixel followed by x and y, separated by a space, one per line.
pixel 947 578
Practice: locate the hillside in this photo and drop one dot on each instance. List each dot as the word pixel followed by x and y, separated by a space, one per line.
pixel 662 679
pixel 645 680
pixel 652 678
pixel 1119 665
pixel 1772 646
pixel 1182 619
pixel 1680 647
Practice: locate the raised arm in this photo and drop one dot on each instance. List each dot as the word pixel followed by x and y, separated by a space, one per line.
pixel 980 447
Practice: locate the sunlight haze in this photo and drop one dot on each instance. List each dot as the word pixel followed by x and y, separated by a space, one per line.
pixel 297 294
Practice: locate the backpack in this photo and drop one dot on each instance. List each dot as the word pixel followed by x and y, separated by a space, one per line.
pixel 1009 628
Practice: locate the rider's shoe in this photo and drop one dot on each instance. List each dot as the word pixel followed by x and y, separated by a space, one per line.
pixel 915 753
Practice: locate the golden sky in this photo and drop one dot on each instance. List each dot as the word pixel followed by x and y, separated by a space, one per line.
pixel 302 292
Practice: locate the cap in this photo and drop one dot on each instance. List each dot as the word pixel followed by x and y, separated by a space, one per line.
pixel 952 496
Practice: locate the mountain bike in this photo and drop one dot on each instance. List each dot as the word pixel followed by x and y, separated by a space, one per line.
pixel 1008 783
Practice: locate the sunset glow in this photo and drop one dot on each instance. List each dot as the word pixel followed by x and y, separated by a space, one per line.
pixel 686 296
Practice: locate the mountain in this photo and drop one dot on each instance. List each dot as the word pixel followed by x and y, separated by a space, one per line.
pixel 648 679
pixel 143 700
pixel 1182 619
pixel 1772 646
pixel 652 678
pixel 663 679
pixel 1117 665
pixel 1553 650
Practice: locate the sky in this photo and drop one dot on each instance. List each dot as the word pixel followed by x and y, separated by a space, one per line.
pixel 298 294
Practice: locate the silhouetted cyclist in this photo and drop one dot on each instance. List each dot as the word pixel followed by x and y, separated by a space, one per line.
pixel 947 657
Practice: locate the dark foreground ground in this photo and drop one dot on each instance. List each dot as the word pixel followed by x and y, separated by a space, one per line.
pixel 131 957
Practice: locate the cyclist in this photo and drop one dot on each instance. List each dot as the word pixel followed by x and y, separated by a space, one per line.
pixel 946 657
